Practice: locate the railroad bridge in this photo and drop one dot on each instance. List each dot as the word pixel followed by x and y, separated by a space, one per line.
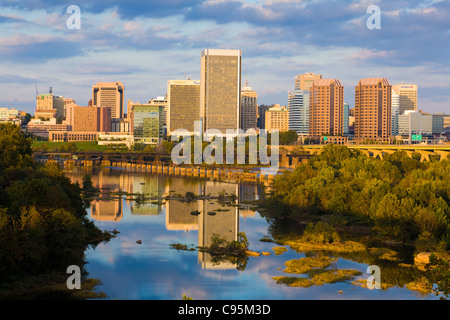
pixel 290 156
pixel 425 152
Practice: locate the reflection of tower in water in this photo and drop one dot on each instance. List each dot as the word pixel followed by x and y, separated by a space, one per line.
pixel 148 186
pixel 223 223
pixel 247 193
pixel 178 213
pixel 106 210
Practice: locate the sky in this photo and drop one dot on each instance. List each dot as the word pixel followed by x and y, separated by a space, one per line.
pixel 143 44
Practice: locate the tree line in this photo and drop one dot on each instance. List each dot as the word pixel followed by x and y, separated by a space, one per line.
pixel 399 197
pixel 43 218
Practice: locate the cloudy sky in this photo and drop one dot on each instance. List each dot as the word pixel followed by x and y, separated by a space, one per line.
pixel 144 44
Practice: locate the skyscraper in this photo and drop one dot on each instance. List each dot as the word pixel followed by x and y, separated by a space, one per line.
pixel 346 120
pixel 183 99
pixel 326 108
pixel 408 96
pixel 298 109
pixel 306 80
pixel 373 113
pixel 220 89
pixel 395 111
pixel 109 94
pixel 249 108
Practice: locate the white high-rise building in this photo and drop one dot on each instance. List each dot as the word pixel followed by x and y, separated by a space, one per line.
pixel 298 108
pixel 407 96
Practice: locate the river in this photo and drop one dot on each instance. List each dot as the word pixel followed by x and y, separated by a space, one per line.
pixel 140 264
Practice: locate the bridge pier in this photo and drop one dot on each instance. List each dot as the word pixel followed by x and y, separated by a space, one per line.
pixel 443 154
pixel 424 155
pixel 378 153
pixel 106 163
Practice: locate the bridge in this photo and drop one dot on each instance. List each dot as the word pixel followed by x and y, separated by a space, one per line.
pixel 426 152
pixel 290 156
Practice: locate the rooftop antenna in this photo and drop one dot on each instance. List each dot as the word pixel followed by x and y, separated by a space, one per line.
pixel 37 93
pixel 50 90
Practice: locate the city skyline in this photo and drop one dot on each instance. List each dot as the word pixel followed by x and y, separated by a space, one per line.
pixel 146 44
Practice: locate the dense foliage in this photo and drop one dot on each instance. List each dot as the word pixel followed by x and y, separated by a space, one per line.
pixel 400 197
pixel 43 223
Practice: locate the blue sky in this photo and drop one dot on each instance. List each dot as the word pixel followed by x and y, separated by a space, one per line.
pixel 144 44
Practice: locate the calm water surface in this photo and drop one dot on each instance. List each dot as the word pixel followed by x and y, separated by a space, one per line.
pixel 152 270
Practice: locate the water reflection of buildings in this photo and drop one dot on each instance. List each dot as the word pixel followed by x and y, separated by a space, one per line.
pixel 214 218
pixel 213 221
pixel 106 207
pixel 109 207
pixel 148 186
pixel 106 210
pixel 178 213
pixel 247 193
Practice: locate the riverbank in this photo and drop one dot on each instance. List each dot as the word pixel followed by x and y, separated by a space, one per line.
pixel 50 286
pixel 159 242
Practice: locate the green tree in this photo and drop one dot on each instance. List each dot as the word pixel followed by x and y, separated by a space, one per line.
pixel 72 147
pixel 43 223
pixel 15 148
pixel 288 137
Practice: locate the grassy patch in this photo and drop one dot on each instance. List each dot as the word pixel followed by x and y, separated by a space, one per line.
pixel 316 270
pixel 421 285
pixel 334 276
pixel 363 284
pixel 344 246
pixel 279 250
pixel 82 146
pixel 318 278
pixel 321 237
pixel 293 281
pixel 305 265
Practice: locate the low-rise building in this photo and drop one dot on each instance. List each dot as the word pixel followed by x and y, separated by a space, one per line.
pixel 42 128
pixel 72 136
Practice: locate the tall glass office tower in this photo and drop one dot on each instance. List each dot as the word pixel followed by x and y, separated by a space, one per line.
pixel 220 89
pixel 298 109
